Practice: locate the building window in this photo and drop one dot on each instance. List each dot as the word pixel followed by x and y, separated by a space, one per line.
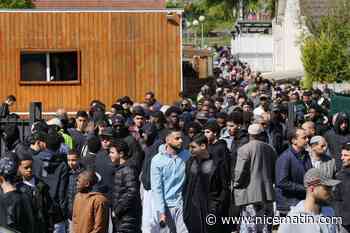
pixel 49 67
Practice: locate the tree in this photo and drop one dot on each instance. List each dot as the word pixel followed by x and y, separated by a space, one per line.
pixel 326 52
pixel 11 4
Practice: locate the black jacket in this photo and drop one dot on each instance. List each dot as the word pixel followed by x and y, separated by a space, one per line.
pixel 16 212
pixel 150 152
pixel 136 152
pixel 53 170
pixel 126 200
pixel 205 191
pixel 47 212
pixel 341 198
pixel 336 138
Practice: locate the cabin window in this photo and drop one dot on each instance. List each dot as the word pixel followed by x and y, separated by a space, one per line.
pixel 49 67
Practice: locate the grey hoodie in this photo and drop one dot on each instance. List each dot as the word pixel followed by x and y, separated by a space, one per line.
pixel 299 210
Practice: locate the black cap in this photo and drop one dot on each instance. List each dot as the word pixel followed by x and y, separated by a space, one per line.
pixel 307 93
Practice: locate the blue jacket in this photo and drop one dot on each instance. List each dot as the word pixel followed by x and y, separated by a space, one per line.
pixel 167 178
pixel 290 170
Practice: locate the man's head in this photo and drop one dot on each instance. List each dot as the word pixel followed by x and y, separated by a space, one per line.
pixel 172 115
pixel 318 145
pixel 54 141
pixel 310 128
pixel 199 145
pixel 81 120
pixel 93 144
pixel 25 165
pixel 10 100
pixel 73 159
pixel 342 123
pixel 307 97
pixel 221 118
pixel 149 98
pixel 139 117
pixel 119 150
pixel 211 131
pixel 234 123
pixel 255 131
pixel 8 169
pixel 174 139
pixel 318 186
pixel 38 141
pixel 264 101
pixel 106 137
pixel 345 154
pixel 298 138
pixel 86 180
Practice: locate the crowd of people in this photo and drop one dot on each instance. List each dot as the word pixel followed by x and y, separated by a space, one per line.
pixel 243 147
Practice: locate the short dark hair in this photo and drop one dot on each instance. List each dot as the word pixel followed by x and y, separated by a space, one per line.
pixel 24 155
pixel 90 176
pixel 82 113
pixel 213 126
pixel 121 146
pixel 292 134
pixel 54 141
pixel 11 98
pixel 73 152
pixel 38 136
pixel 151 93
pixel 235 117
pixel 200 139
pixel 173 109
pixel 94 144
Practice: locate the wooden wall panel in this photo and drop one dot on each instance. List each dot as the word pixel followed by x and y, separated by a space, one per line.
pixel 125 4
pixel 121 53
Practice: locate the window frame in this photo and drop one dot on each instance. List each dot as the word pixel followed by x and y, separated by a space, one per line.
pixel 46 51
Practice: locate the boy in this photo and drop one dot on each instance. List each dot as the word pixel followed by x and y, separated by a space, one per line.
pixel 44 208
pixel 75 169
pixel 127 202
pixel 90 209
pixel 16 211
pixel 4 109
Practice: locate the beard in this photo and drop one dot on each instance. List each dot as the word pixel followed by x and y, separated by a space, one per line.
pixel 175 147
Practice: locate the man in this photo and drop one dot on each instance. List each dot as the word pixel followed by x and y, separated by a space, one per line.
pixel 341 195
pixel 254 178
pixel 310 129
pixel 263 106
pixel 90 211
pixel 126 193
pixel 338 135
pixel 290 170
pixel 46 211
pixel 135 150
pixel 16 211
pixel 318 191
pixel 5 107
pixel 78 133
pixel 151 102
pixel 204 188
pixel 319 158
pixel 138 118
pixel 51 168
pixel 167 180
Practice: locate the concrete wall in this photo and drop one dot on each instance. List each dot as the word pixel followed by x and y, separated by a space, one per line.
pixel 286 31
pixel 256 49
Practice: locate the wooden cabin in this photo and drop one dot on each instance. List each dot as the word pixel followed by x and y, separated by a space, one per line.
pixel 121 4
pixel 68 57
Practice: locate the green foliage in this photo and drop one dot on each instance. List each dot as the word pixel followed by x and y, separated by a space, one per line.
pixel 326 52
pixel 12 4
